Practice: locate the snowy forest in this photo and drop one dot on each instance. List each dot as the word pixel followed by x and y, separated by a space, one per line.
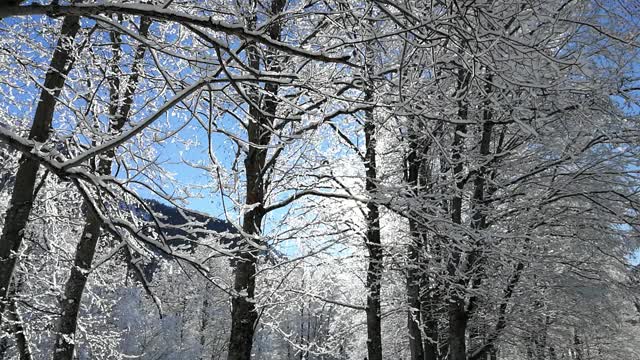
pixel 320 179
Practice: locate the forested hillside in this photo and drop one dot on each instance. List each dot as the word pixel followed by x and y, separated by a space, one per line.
pixel 320 179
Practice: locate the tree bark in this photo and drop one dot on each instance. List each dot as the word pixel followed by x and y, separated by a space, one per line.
pixel 414 274
pixel 501 323
pixel 243 310
pixel 21 201
pixel 430 342
pixel 19 332
pixel 86 248
pixel 373 241
pixel 457 330
pixel 74 287
pixel 16 328
pixel 457 311
pixel 375 266
pixel 204 324
pixel 414 316
pixel 423 319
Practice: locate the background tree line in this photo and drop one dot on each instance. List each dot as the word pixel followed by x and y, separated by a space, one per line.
pixel 382 179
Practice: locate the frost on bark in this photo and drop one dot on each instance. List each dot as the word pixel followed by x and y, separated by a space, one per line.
pixel 373 240
pixel 458 317
pixel 21 201
pixel 374 269
pixel 15 327
pixel 262 111
pixel 422 297
pixel 86 248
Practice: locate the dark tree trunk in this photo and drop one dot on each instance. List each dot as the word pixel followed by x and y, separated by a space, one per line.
pixel 415 276
pixel 422 299
pixel 479 216
pixel 374 270
pixel 373 243
pixel 18 331
pixel 16 328
pixel 74 287
pixel 414 321
pixel 86 248
pixel 492 353
pixel 423 316
pixel 457 310
pixel 22 197
pixel 430 343
pixel 262 111
pixel 457 331
pixel 501 323
pixel 243 314
pixel 204 324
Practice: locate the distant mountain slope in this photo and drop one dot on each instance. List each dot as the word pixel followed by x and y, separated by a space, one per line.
pixel 173 220
pixel 183 228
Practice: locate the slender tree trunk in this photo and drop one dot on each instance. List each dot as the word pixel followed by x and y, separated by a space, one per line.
pixel 375 260
pixel 478 203
pixel 300 352
pixel 74 287
pixel 4 345
pixel 374 271
pixel 204 324
pixel 423 320
pixel 86 248
pixel 492 353
pixel 502 315
pixel 414 321
pixel 374 247
pixel 457 330
pixel 19 332
pixel 414 274
pixel 16 328
pixel 458 317
pixel 430 341
pixel 22 197
pixel 243 310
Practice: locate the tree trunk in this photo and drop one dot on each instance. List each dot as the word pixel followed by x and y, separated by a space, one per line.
pixel 457 312
pixel 74 287
pixel 430 319
pixel 374 271
pixel 243 310
pixel 423 321
pixel 22 197
pixel 19 331
pixel 414 321
pixel 374 247
pixel 16 328
pixel 457 331
pixel 414 273
pixel 86 248
pixel 492 353
pixel 204 325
